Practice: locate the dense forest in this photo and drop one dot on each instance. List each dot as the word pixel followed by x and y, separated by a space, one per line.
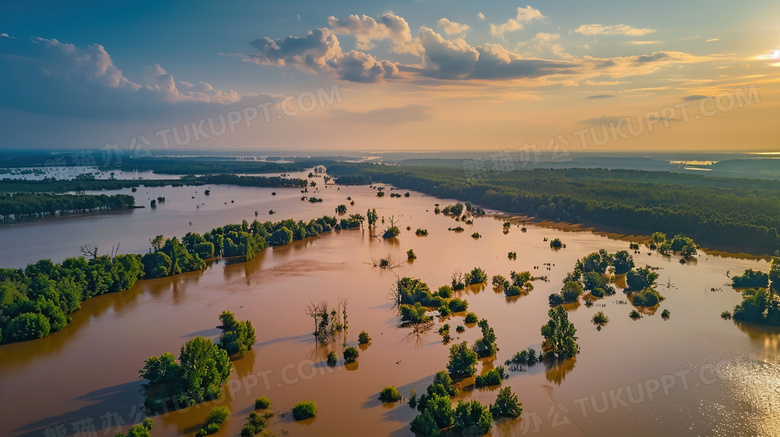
pixel 22 205
pixel 253 181
pixel 720 212
pixel 39 299
pixel 51 185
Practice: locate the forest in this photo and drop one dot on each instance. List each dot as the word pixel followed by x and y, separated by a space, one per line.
pixel 725 213
pixel 39 299
pixel 23 205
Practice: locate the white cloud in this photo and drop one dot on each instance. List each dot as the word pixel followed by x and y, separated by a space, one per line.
pixel 616 29
pixel 366 30
pixel 524 15
pixel 481 16
pixel 713 40
pixel 50 77
pixel 451 27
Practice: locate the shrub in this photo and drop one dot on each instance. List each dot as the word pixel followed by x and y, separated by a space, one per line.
pixel 410 255
pixel 332 358
pixel 262 403
pixel 458 305
pixel 304 410
pixel 726 315
pixel 599 318
pixel 634 314
pixel 476 276
pixel 351 355
pixel 555 299
pixel 498 281
pixel 492 377
pixel 218 415
pixel 460 329
pixel 647 298
pixel 212 428
pixel 556 243
pixel 513 290
pixel 390 394
pixel 665 314
pixel 444 311
pixel 363 338
pixel 445 292
pixel 471 318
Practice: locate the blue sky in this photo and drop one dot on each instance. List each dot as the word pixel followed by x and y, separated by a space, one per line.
pixel 411 74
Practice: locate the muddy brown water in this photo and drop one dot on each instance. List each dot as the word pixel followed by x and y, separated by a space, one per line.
pixel 693 374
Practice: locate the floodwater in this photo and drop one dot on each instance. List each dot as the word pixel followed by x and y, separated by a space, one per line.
pixel 693 374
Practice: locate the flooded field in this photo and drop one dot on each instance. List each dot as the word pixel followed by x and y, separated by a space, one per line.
pixel 693 374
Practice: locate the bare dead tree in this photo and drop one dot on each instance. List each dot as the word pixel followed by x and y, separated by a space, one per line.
pixel 395 291
pixel 115 251
pixel 314 310
pixel 387 263
pixel 343 303
pixel 89 251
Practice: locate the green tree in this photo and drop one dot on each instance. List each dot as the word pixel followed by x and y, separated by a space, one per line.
pixel 351 355
pixel 486 346
pixel 623 262
pixel 472 417
pixel 29 326
pixel 641 278
pixel 237 337
pixel 560 339
pixel 425 425
pixel 462 362
pixel 507 404
pixel 440 408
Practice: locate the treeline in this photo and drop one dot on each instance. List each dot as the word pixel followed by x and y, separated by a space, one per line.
pixel 204 165
pixel 22 205
pixel 39 299
pixel 52 185
pixel 717 211
pixel 253 181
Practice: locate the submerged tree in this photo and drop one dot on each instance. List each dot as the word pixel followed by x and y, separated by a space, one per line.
pixel 560 339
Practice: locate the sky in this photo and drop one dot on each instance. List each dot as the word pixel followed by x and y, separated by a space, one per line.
pixel 390 75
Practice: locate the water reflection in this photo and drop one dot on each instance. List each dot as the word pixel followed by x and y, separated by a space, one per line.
pixel 556 371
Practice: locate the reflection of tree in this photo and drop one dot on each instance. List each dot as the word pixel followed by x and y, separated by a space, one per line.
pixel 416 334
pixel 767 336
pixel 556 370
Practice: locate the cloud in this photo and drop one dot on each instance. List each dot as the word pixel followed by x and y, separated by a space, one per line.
pixel 713 40
pixel 616 29
pixel 695 97
pixel 456 59
pixel 641 43
pixel 451 27
pixel 446 59
pixel 481 16
pixel 366 30
pixel 600 96
pixel 50 77
pixel 524 15
pixel 318 51
pixel 361 67
pixel 310 53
